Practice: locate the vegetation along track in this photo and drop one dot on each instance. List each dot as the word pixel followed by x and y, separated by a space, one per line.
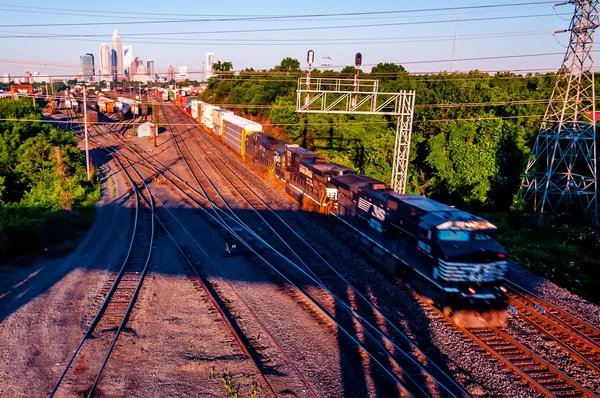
pixel 81 373
pixel 415 369
pixel 153 166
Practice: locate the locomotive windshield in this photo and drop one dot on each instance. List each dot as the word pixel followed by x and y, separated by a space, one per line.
pixel 454 235
pixel 460 235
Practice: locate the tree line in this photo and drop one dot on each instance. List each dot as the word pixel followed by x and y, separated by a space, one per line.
pixel 45 196
pixel 472 132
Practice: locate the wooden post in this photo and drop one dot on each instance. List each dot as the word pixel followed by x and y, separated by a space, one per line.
pixel 87 148
pixel 66 202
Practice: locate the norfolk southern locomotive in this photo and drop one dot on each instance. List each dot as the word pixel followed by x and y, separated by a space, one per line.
pixel 446 255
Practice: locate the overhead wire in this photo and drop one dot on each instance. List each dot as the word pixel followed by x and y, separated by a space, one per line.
pixel 285 17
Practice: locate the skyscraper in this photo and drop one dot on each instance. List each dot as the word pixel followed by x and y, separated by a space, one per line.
pixel 113 65
pixel 183 74
pixel 116 41
pixel 170 73
pixel 104 62
pixel 210 60
pixel 87 67
pixel 127 58
pixel 150 68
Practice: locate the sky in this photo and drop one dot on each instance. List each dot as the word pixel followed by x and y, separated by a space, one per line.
pixel 259 34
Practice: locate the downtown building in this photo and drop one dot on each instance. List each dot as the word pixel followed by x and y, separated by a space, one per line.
pixel 88 71
pixel 210 60
pixel 118 56
pixel 105 63
pixel 170 73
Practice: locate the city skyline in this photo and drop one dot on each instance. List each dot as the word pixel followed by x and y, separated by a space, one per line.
pixel 509 38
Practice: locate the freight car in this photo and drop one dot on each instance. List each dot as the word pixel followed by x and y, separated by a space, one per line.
pixel 235 131
pixel 448 256
pixel 123 112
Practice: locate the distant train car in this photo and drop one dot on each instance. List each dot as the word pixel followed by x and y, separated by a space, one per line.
pixel 218 115
pixel 235 131
pixel 123 112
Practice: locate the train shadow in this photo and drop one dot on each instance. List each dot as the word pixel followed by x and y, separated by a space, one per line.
pixel 203 242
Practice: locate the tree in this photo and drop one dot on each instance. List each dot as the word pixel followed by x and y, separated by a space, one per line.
pixel 288 65
pixel 222 66
pixel 348 70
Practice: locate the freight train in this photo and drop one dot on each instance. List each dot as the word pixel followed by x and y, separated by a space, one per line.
pixel 449 257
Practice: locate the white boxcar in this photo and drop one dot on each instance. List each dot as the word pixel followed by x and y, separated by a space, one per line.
pixel 235 131
pixel 207 115
pixel 218 115
pixel 194 105
pixel 196 109
pixel 125 100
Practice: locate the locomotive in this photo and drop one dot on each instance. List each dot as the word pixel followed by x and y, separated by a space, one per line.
pixel 449 257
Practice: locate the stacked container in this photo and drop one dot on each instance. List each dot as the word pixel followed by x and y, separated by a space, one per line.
pixel 218 115
pixel 235 131
pixel 207 116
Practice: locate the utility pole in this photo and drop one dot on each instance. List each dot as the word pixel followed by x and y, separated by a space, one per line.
pixel 562 167
pixel 85 124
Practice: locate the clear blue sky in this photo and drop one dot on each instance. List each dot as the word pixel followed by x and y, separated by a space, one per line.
pixel 413 38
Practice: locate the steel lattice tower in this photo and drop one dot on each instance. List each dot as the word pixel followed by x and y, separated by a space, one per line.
pixel 562 167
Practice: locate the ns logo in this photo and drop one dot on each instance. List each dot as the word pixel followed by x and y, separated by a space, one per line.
pixel 378 213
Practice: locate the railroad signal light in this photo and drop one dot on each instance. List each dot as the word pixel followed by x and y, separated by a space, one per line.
pixel 358 60
pixel 310 57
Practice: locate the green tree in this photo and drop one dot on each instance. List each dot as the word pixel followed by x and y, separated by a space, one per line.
pixel 288 65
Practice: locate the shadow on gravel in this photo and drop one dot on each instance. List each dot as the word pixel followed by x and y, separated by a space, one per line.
pixel 357 370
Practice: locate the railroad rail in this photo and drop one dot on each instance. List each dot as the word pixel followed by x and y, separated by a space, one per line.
pixel 197 278
pixel 419 376
pixel 535 370
pixel 578 337
pixel 118 303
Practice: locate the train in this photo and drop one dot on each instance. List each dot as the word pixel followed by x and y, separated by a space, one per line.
pixel 449 257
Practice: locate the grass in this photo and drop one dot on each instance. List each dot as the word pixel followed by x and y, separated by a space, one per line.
pixel 567 255
pixel 231 388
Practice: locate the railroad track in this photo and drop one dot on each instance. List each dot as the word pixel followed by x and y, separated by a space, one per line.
pixel 413 367
pixel 101 336
pixel 578 337
pixel 532 368
pixel 201 282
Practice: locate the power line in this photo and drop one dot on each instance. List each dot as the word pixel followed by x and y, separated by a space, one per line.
pixel 288 29
pixel 275 17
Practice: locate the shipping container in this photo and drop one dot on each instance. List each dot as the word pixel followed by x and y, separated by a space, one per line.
pixel 125 100
pixel 207 116
pixel 194 105
pixel 110 107
pixel 235 131
pixel 165 96
pixel 92 116
pixel 218 115
pixel 102 106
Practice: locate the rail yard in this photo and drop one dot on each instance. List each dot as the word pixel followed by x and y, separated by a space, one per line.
pixel 279 305
pixel 264 233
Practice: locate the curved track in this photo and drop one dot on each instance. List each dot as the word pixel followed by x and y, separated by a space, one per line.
pixel 116 308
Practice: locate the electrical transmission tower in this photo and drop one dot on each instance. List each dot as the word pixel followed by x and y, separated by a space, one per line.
pixel 561 170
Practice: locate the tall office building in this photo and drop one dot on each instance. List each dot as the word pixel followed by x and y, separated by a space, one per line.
pixel 116 42
pixel 105 62
pixel 170 73
pixel 182 74
pixel 127 58
pixel 210 60
pixel 113 65
pixel 6 78
pixel 27 77
pixel 150 69
pixel 87 67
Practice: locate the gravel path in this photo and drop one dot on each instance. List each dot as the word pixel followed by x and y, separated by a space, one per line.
pixel 42 318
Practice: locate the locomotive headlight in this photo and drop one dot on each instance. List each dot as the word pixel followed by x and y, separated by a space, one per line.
pixel 472 291
pixel 503 289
